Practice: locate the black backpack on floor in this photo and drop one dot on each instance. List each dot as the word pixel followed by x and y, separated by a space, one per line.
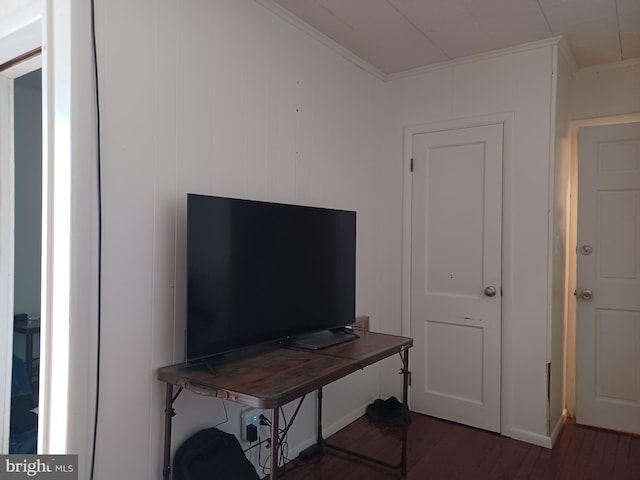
pixel 212 454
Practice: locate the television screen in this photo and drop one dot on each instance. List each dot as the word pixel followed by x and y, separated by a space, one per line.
pixel 261 271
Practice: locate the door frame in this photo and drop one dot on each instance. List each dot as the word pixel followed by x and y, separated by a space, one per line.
pixel 570 344
pixel 20 32
pixel 507 119
pixel 7 210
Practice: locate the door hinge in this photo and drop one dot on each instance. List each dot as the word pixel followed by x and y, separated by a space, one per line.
pixel 411 166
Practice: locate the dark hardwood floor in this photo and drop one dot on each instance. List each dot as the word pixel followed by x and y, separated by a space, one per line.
pixel 439 449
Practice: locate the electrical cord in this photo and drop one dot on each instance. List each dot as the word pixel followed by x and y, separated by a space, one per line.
pixel 264 420
pixel 283 444
pixel 99 202
pixel 226 415
pixel 265 470
pixel 253 445
pixel 295 413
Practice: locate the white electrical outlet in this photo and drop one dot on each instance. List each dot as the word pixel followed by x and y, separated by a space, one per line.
pixel 249 417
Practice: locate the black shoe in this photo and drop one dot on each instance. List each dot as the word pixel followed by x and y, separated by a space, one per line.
pixel 388 411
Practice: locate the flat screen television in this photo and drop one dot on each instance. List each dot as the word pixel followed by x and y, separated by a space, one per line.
pixel 259 272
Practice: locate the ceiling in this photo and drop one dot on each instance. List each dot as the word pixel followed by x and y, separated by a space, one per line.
pixel 399 35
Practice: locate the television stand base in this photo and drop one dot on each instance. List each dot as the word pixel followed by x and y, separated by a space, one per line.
pixel 321 339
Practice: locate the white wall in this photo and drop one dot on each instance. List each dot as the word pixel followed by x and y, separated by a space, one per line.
pixel 72 23
pixel 9 7
pixel 559 241
pixel 222 97
pixel 520 83
pixel 606 90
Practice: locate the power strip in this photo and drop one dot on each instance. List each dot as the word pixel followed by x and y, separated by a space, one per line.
pixel 250 427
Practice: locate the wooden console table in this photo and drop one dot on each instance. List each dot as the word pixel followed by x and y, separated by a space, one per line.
pixel 276 376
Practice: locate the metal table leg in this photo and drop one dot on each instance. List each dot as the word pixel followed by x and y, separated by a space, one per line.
pixel 319 419
pixel 405 425
pixel 275 435
pixel 405 406
pixel 168 414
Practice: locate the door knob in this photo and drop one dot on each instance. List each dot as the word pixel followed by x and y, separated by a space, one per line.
pixel 586 249
pixel 490 291
pixel 586 294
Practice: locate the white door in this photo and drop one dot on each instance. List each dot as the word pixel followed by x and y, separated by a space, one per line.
pixel 608 277
pixel 456 274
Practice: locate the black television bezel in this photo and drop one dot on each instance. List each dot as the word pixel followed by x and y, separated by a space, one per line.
pixel 276 335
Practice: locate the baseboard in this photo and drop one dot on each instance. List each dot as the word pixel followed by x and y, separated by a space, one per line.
pixel 530 437
pixel 344 421
pixel 537 439
pixel 516 433
pixel 555 433
pixel 329 430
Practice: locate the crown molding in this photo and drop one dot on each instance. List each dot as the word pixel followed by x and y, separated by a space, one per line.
pixel 290 18
pixel 283 13
pixel 547 42
pixel 565 51
pixel 631 63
